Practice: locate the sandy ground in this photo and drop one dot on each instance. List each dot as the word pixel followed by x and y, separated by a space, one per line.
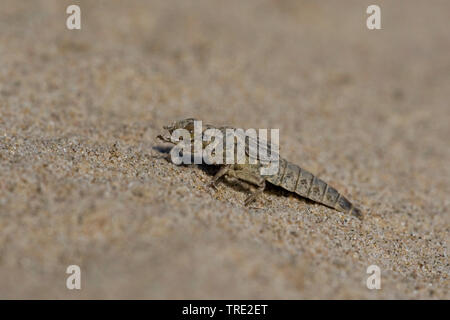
pixel 83 180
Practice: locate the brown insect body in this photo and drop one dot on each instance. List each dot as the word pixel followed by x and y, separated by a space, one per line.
pixel 302 182
pixel 289 176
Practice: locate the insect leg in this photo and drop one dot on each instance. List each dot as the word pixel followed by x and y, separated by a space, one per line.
pixel 222 171
pixel 250 178
pixel 165 138
pixel 255 194
pixel 233 180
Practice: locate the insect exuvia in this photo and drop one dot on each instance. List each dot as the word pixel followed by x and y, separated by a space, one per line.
pixel 289 176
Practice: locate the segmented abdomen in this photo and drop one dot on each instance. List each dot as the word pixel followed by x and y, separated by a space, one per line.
pixel 295 179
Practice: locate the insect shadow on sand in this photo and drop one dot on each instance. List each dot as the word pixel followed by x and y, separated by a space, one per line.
pixel 211 170
pixel 163 149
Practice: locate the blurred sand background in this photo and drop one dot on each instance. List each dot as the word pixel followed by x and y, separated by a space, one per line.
pixel 82 180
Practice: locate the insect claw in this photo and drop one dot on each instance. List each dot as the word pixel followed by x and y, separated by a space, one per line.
pixel 249 199
pixel 162 138
pixel 212 184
